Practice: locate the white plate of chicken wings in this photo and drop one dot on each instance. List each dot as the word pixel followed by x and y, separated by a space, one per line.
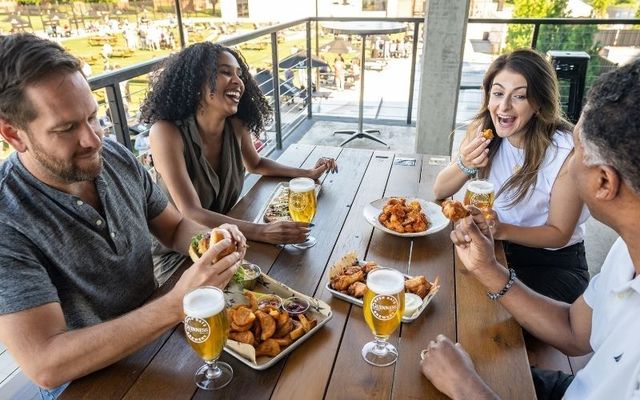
pixel 436 221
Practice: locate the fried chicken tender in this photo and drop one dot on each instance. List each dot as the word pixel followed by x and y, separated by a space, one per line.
pixel 357 289
pixel 403 217
pixel 369 266
pixel 267 325
pixel 487 134
pixel 342 282
pixel 454 210
pixel 269 348
pixel 418 285
pixel 242 337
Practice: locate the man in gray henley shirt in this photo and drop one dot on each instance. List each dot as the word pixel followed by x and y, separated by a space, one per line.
pixel 75 216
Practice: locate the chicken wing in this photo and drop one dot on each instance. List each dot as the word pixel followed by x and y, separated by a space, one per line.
pixel 454 210
pixel 357 289
pixel 342 282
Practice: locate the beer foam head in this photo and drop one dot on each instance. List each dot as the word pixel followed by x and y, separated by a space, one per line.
pixel 203 302
pixel 385 281
pixel 480 187
pixel 301 185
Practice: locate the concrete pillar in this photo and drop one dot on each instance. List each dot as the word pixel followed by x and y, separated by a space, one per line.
pixel 441 66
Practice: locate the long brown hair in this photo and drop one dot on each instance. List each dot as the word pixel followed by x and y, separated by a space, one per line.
pixel 543 95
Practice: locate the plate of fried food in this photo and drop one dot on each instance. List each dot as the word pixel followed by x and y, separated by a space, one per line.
pixel 405 217
pixel 277 208
pixel 270 321
pixel 348 277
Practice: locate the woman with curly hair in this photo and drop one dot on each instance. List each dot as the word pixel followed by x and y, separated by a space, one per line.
pixel 205 106
pixel 537 211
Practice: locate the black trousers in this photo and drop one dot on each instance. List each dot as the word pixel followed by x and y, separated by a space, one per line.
pixel 560 274
pixel 550 385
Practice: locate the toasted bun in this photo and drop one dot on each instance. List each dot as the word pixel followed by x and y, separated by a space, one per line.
pixel 218 235
pixel 192 253
pixel 197 247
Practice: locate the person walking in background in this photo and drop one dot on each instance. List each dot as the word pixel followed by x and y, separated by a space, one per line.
pixel 339 72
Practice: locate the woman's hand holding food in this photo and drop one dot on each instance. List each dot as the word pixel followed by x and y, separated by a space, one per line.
pixel 475 153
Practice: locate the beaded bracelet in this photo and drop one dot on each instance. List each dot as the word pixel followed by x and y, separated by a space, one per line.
pixel 466 170
pixel 505 289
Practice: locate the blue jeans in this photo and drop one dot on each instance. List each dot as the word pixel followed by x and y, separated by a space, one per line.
pixel 52 394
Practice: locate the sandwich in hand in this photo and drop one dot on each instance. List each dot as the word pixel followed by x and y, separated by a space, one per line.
pixel 202 241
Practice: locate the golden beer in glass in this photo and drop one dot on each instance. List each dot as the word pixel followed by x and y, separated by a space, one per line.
pixel 206 328
pixel 383 309
pixel 302 205
pixel 481 194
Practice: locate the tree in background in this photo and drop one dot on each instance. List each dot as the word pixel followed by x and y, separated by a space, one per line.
pixel 600 7
pixel 519 36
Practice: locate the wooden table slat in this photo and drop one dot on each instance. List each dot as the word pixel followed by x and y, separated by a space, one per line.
pixel 363 379
pixel 317 356
pixel 492 337
pixel 439 317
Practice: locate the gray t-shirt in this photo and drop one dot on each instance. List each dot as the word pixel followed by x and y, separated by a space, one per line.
pixel 56 248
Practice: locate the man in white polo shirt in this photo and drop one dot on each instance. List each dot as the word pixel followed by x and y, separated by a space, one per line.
pixel 606 318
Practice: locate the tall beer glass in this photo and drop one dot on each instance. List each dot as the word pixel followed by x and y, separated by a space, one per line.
pixel 480 193
pixel 302 205
pixel 383 308
pixel 206 328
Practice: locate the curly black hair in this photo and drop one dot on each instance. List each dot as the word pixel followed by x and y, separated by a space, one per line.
pixel 176 91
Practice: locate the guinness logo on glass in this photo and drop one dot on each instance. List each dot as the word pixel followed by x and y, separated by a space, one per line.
pixel 384 307
pixel 197 329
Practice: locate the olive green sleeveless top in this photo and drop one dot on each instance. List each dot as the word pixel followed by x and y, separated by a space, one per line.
pixel 218 192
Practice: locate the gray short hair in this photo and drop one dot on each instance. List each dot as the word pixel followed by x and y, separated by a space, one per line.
pixel 610 125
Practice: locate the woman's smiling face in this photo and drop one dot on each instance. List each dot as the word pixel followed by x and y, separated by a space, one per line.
pixel 509 106
pixel 229 85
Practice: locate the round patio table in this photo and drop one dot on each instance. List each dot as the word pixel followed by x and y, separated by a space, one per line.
pixel 363 29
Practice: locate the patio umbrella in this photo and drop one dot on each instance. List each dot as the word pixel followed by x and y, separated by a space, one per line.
pixel 339 46
pixel 299 61
pixel 264 79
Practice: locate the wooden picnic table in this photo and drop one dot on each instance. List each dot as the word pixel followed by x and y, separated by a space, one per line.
pixel 329 364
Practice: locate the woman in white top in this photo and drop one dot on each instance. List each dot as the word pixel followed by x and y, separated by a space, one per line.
pixel 537 210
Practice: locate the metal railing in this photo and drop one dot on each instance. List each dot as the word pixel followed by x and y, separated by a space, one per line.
pixel 111 81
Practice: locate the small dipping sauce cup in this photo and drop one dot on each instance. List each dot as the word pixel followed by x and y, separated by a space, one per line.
pixel 270 300
pixel 295 305
pixel 250 274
